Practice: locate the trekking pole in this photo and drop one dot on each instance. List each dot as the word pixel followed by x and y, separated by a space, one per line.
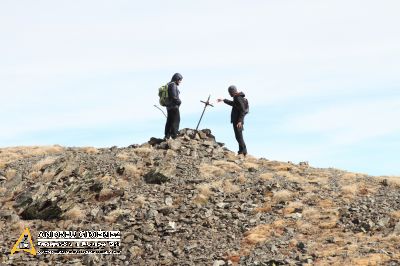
pixel 207 103
pixel 160 110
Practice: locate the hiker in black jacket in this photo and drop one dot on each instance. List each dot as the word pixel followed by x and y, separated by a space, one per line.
pixel 237 115
pixel 173 103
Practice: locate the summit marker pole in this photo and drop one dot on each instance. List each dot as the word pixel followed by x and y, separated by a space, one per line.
pixel 207 103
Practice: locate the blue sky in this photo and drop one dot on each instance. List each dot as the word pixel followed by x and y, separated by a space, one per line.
pixel 322 77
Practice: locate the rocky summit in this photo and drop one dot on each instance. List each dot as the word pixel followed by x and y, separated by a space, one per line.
pixel 191 201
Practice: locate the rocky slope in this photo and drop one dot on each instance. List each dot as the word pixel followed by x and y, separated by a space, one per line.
pixel 190 201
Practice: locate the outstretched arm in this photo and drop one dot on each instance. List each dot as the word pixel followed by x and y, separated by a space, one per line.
pixel 228 102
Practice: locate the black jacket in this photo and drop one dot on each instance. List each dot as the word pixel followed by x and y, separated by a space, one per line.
pixel 238 108
pixel 173 96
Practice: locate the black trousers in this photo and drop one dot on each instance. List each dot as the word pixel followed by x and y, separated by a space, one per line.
pixel 239 138
pixel 172 124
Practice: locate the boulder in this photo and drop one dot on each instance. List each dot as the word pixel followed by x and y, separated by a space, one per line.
pixel 174 144
pixel 155 177
pixel 155 141
pixel 46 210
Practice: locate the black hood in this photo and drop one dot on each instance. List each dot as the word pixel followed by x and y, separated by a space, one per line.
pixel 176 77
pixel 241 94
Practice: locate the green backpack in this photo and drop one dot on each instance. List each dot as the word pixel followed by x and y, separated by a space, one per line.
pixel 163 94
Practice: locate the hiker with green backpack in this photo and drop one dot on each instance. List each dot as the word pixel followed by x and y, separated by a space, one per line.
pixel 240 107
pixel 169 97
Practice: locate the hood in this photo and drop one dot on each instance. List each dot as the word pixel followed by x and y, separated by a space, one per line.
pixel 176 77
pixel 241 94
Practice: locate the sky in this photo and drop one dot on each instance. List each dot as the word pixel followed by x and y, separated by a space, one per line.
pixel 322 77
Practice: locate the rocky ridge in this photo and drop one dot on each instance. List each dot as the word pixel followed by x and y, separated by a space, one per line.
pixel 191 201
